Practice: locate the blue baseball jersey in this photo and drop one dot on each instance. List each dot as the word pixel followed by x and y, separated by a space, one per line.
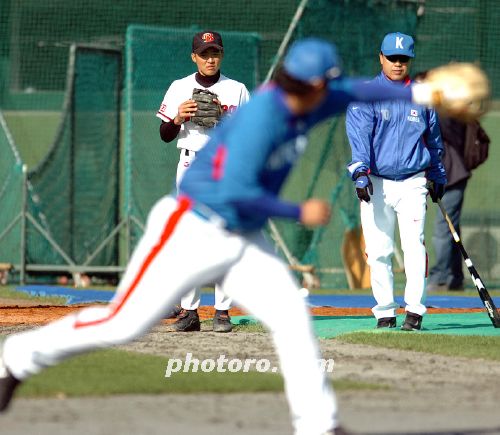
pixel 240 171
pixel 394 139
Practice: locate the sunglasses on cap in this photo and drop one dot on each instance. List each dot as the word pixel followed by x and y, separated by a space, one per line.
pixel 397 58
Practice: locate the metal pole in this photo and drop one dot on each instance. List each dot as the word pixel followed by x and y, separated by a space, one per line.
pixel 287 37
pixel 22 276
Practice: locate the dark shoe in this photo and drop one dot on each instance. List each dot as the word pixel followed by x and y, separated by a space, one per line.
pixel 456 287
pixel 413 322
pixel 337 431
pixel 222 321
pixel 386 322
pixel 187 321
pixel 8 384
pixel 173 312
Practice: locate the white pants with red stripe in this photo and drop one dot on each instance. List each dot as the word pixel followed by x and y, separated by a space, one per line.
pixel 191 300
pixel 183 250
pixel 406 201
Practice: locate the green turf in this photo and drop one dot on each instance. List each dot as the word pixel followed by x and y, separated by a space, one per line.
pixel 463 346
pixel 112 371
pixel 9 292
pixel 477 324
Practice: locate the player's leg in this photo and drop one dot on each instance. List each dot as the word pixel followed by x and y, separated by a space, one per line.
pixel 187 319
pixel 177 246
pixel 447 271
pixel 378 222
pixel 264 286
pixel 185 159
pixel 411 210
pixel 222 320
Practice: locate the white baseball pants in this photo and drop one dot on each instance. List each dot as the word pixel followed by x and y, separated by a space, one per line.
pixel 192 299
pixel 406 201
pixel 184 250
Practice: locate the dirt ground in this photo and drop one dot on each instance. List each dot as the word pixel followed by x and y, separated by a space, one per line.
pixel 426 393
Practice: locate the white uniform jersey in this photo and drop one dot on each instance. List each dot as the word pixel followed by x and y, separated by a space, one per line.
pixel 192 137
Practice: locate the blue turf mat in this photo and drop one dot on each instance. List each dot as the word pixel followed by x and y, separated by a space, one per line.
pixel 80 296
pixel 73 296
pixel 367 301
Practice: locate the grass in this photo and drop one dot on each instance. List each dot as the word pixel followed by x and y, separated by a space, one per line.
pixel 8 292
pixel 457 346
pixel 112 371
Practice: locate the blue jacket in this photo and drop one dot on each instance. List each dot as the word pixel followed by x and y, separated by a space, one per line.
pixel 394 139
pixel 240 171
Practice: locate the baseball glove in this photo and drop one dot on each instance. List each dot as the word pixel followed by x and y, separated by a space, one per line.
pixel 459 90
pixel 208 112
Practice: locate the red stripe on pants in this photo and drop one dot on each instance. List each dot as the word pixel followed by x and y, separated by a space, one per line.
pixel 184 204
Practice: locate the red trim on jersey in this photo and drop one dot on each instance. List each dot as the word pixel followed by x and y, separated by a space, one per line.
pixel 183 204
pixel 164 116
pixel 218 162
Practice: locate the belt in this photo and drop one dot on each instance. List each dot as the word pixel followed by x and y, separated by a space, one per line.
pixel 187 152
pixel 399 177
pixel 208 215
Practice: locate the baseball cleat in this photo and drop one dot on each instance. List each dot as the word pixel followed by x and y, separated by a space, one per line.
pixel 187 321
pixel 222 321
pixel 386 322
pixel 8 384
pixel 173 312
pixel 413 322
pixel 337 431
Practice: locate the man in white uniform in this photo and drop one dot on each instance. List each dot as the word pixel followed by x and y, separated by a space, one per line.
pixel 396 161
pixel 175 112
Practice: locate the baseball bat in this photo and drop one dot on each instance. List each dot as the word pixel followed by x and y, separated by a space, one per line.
pixel 488 303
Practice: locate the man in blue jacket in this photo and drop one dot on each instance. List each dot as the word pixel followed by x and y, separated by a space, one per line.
pixel 396 160
pixel 211 232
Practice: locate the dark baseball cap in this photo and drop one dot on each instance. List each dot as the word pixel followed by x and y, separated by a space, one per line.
pixel 207 39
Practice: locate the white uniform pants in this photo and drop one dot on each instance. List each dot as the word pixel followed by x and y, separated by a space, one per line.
pixel 406 201
pixel 191 301
pixel 184 250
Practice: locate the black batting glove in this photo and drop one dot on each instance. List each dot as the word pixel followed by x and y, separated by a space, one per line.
pixel 364 186
pixel 436 190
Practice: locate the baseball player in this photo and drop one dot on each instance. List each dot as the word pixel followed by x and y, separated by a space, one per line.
pixel 396 151
pixel 176 112
pixel 211 232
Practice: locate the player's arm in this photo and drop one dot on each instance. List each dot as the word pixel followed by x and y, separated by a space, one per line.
pixel 171 128
pixel 242 182
pixel 312 212
pixel 434 144
pixel 359 129
pixel 174 111
pixel 342 92
pixel 245 95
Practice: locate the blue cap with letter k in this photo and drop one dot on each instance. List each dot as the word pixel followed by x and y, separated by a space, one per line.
pixel 398 43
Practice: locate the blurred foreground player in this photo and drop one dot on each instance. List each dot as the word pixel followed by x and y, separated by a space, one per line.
pixel 211 232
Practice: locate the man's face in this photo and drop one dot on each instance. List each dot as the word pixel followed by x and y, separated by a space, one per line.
pixel 208 61
pixel 395 67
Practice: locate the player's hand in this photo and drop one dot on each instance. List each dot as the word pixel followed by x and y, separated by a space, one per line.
pixel 436 190
pixel 364 186
pixel 315 212
pixel 186 110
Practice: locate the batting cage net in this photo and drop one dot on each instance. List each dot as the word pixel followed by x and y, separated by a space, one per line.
pixel 67 206
pixel 94 174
